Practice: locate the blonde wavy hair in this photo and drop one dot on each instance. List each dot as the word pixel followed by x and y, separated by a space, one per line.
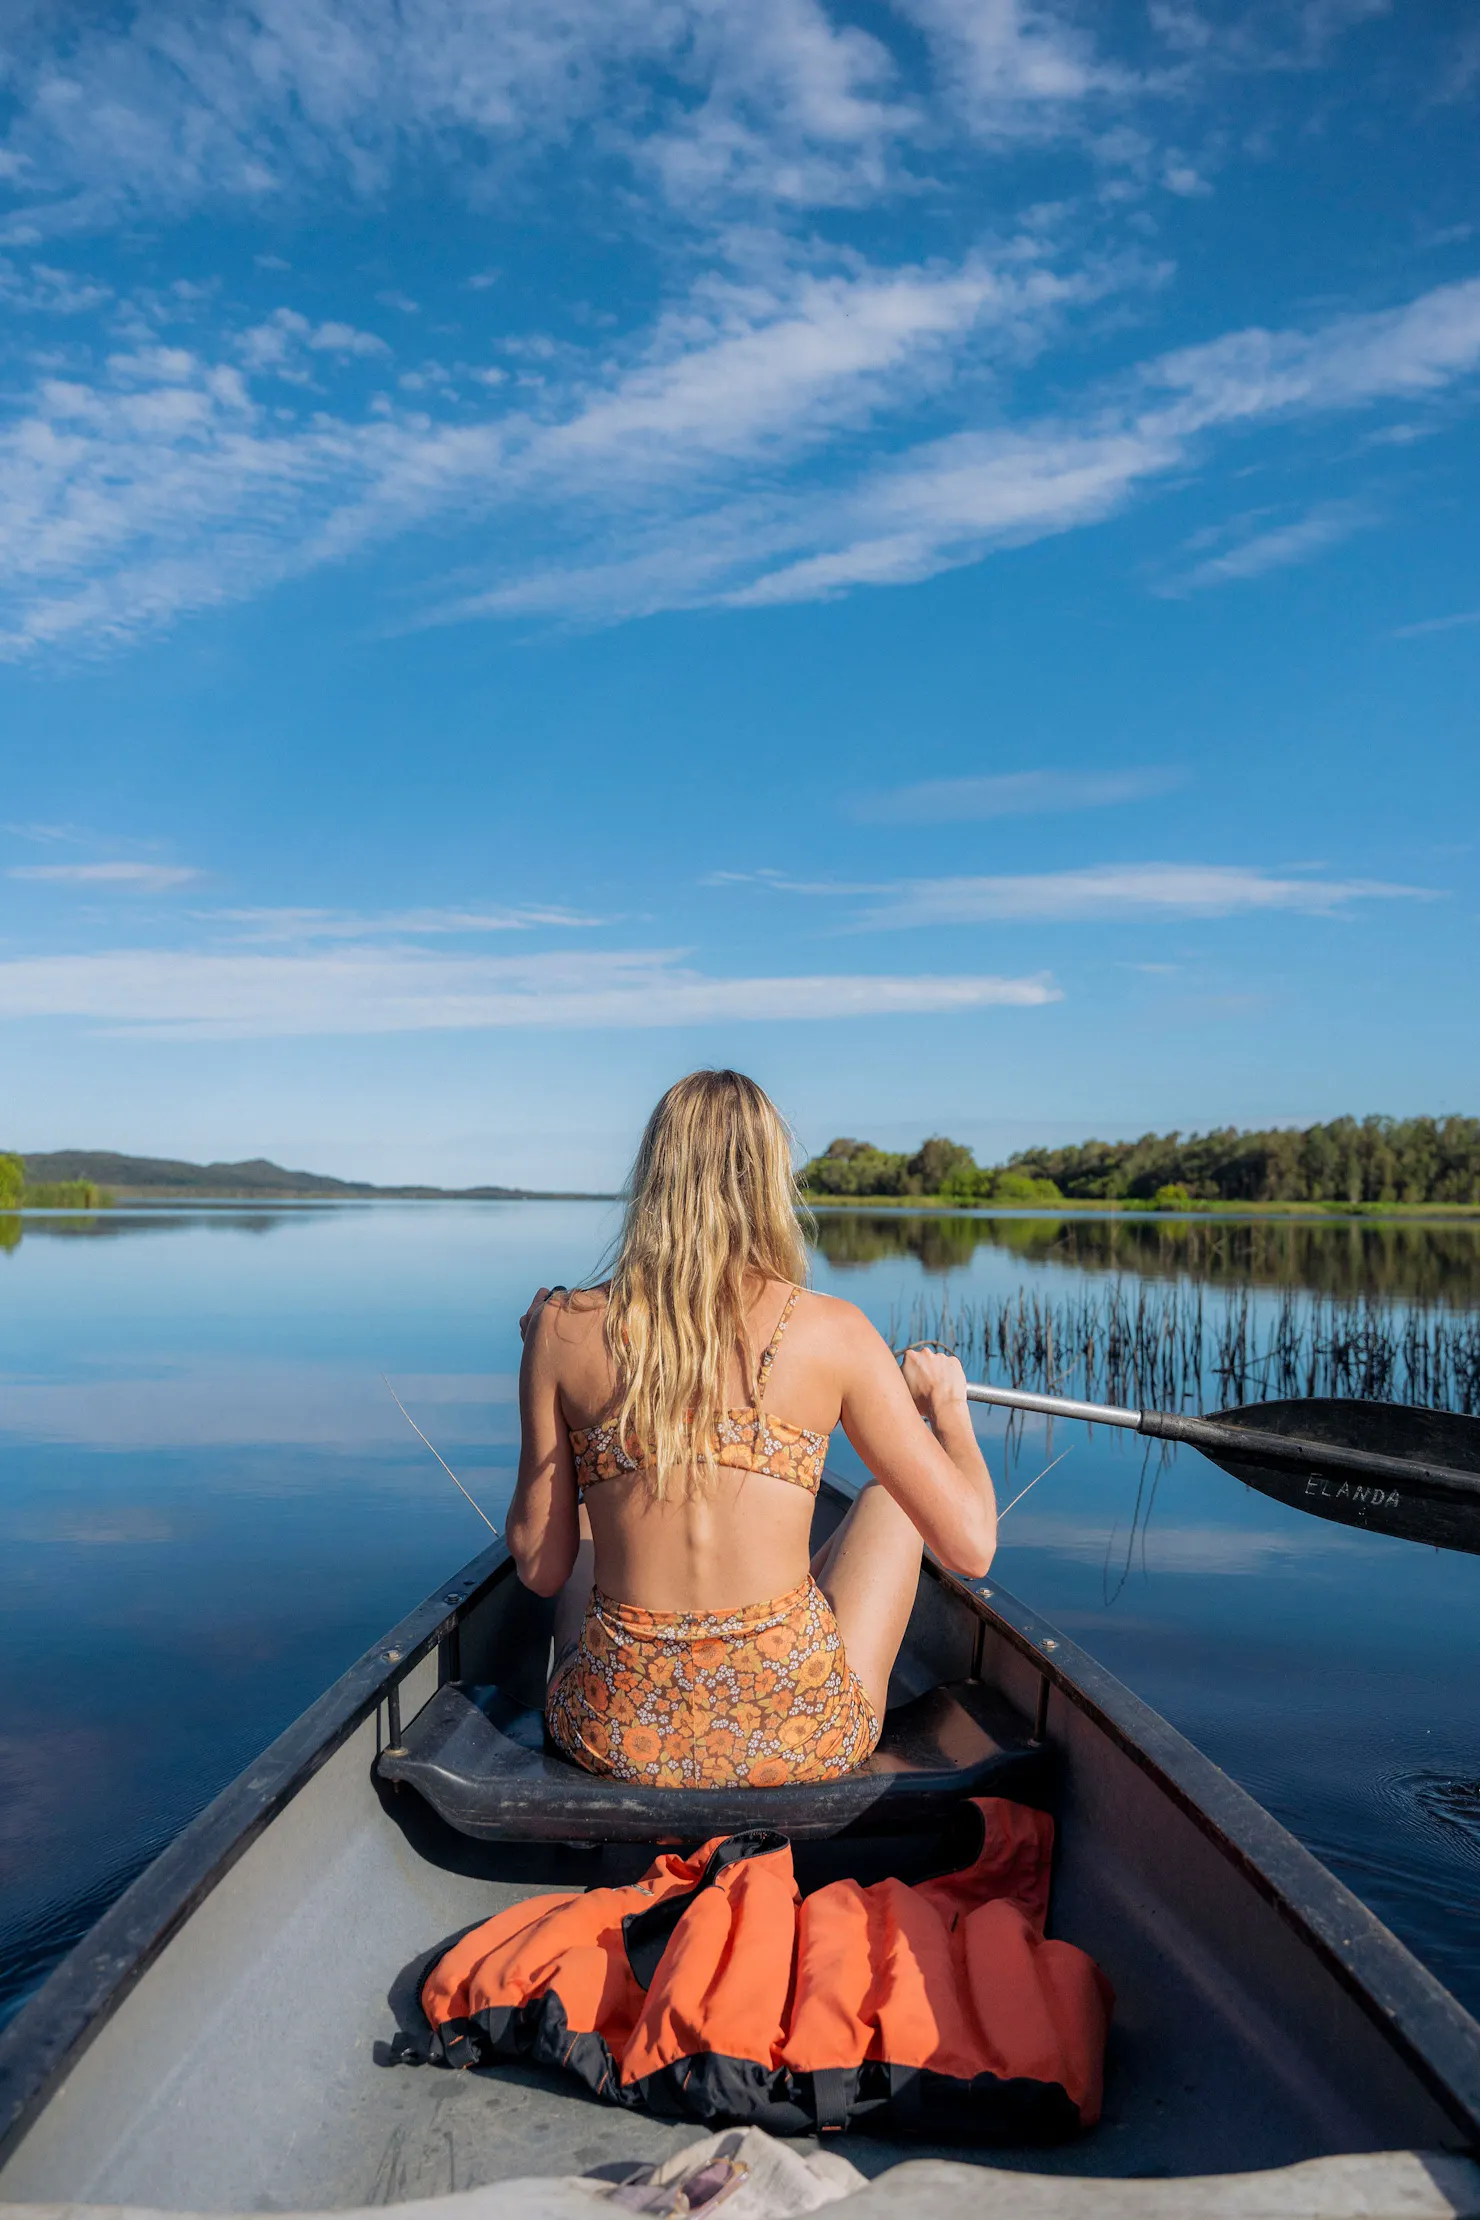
pixel 712 1202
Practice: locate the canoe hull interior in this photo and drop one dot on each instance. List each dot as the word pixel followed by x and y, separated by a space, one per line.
pixel 237 2068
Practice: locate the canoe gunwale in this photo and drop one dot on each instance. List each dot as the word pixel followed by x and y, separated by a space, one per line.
pixel 54 2027
pixel 1428 2028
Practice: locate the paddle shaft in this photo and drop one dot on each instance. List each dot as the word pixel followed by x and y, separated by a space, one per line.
pixel 1220 1441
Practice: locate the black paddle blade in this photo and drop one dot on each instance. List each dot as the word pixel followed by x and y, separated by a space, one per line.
pixel 1412 1509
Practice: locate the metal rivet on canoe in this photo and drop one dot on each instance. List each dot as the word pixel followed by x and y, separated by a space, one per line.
pixel 389 1657
pixel 1049 1645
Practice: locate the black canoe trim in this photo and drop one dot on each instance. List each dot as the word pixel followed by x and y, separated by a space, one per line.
pixel 1426 2025
pixel 55 2026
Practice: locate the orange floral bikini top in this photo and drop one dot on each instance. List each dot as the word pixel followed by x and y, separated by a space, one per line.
pixel 747 1438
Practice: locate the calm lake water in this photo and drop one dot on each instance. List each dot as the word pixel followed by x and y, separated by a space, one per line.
pixel 209 1506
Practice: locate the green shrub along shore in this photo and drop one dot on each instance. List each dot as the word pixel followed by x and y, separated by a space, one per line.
pixel 16 1193
pixel 1350 1164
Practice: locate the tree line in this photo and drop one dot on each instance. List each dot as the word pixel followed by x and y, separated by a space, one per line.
pixel 1348 1160
pixel 19 1193
pixel 937 1168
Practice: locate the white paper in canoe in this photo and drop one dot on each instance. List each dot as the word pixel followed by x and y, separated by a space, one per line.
pixel 744 2174
pixel 751 2177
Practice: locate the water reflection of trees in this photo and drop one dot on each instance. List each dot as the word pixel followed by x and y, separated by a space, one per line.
pixel 1334 1257
pixel 1340 1257
pixel 941 1243
pixel 117 1225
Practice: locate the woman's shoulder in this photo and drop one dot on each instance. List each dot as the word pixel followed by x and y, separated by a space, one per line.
pixel 835 1318
pixel 569 1319
pixel 568 1348
pixel 579 1311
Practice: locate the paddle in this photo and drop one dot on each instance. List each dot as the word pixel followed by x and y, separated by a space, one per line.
pixel 1382 1466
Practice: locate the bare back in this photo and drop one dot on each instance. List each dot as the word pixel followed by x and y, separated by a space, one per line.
pixel 718 1539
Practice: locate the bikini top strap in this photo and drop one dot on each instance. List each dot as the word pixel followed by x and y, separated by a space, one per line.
pixel 768 1354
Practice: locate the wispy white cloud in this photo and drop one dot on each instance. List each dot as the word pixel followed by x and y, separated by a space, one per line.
pixel 740 366
pixel 1184 180
pixel 174 106
pixel 298 926
pixel 1012 68
pixel 1276 548
pixel 1416 349
pixel 248 102
pixel 1099 891
pixel 48 836
pixel 785 103
pixel 180 105
pixel 36 289
pixel 128 878
pixel 1012 794
pixel 1297 36
pixel 132 497
pixel 164 485
pixel 1436 624
pixel 940 507
pixel 1129 890
pixel 943 504
pixel 279 341
pixel 206 995
pixel 948 502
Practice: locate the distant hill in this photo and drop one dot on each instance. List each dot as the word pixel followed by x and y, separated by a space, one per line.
pixel 151 1178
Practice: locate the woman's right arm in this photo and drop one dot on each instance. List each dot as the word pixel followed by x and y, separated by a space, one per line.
pixel 543 1525
pixel 935 1472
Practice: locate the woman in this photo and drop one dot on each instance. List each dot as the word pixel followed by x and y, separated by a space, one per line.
pixel 662 1489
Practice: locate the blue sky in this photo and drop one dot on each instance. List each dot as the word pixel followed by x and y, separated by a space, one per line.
pixel 927 550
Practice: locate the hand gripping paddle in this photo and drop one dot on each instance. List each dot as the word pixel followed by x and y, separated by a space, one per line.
pixel 1386 1467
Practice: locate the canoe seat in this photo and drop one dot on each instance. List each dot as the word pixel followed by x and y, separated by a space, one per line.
pixel 484 1765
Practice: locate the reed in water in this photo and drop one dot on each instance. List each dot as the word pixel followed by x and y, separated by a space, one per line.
pixel 1162 1346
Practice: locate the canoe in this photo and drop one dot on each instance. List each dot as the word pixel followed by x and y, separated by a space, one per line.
pixel 226 2037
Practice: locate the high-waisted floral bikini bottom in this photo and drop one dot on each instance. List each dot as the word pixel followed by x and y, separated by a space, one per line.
pixel 677 1699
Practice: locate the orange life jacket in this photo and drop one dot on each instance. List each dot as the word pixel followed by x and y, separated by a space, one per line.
pixel 711 1990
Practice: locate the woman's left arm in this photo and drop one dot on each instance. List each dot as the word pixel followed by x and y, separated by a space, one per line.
pixel 543 1525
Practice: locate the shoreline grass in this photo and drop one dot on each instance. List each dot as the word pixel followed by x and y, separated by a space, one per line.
pixel 1123 1207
